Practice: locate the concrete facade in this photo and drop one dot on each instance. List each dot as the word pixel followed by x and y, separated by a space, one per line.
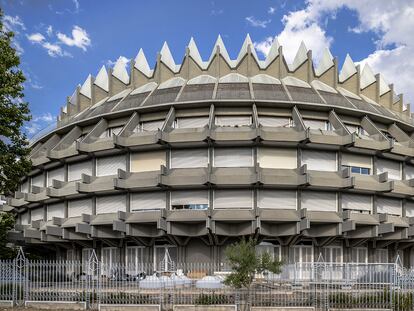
pixel 182 160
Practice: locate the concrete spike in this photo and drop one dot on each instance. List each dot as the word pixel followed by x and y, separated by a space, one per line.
pixel 243 51
pixel 348 69
pixel 74 97
pixel 195 54
pixel 167 58
pixel 325 63
pixel 120 71
pixel 223 51
pixel 383 85
pixel 141 64
pixel 367 77
pixel 273 52
pixel 86 88
pixel 102 79
pixel 300 57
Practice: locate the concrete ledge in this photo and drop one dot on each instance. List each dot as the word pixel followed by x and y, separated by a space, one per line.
pixel 204 308
pixel 282 308
pixel 120 307
pixel 6 303
pixel 56 305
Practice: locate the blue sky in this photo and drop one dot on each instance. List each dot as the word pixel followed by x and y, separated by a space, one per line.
pixel 61 42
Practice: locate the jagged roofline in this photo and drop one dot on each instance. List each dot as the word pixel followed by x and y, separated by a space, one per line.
pixel 364 79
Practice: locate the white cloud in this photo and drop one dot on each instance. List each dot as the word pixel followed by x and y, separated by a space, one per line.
pixel 76 4
pixel 264 45
pixel 18 47
pixel 299 26
pixel 271 10
pixel 36 37
pixel 32 80
pixel 52 49
pixel 38 123
pixel 55 50
pixel 13 23
pixel 124 59
pixel 257 22
pixel 79 38
pixel 391 23
pixel 49 30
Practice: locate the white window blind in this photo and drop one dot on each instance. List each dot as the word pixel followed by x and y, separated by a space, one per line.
pixel 110 256
pixel 25 186
pixel 188 158
pixel 78 207
pixel 392 167
pixel 233 199
pixel 233 120
pixel 357 160
pixel 38 180
pixel 277 199
pixel 359 255
pixel 332 254
pixel 110 204
pixel 409 209
pixel 37 213
pixel 301 253
pixel 319 160
pixel 57 174
pixel 150 126
pixel 381 255
pixel 409 171
pixel 56 210
pixel 148 201
pixel 196 197
pixel 134 258
pixel 273 250
pixel 75 170
pixel 109 165
pixel 315 124
pixel 277 158
pixel 147 161
pixel 389 206
pixel 195 122
pixel 274 121
pixel 357 202
pixel 24 218
pixel 233 157
pixel 319 201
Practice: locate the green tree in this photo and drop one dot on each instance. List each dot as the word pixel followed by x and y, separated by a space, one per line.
pixel 13 113
pixel 6 223
pixel 245 263
pixel 13 143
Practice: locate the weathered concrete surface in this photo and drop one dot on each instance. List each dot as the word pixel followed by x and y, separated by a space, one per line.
pixel 283 309
pixel 6 303
pixel 204 308
pixel 56 305
pixel 114 307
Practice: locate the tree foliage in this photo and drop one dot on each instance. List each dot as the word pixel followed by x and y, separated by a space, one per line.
pixel 6 223
pixel 245 263
pixel 13 113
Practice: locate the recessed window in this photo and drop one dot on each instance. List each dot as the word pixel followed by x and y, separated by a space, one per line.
pixel 191 200
pixel 358 170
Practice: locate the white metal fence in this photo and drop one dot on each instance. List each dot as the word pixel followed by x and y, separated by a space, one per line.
pixel 320 285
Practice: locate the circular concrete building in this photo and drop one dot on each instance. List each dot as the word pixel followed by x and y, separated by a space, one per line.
pixel 171 164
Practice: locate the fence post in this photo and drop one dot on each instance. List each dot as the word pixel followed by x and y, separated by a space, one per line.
pixel 20 278
pixel 92 286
